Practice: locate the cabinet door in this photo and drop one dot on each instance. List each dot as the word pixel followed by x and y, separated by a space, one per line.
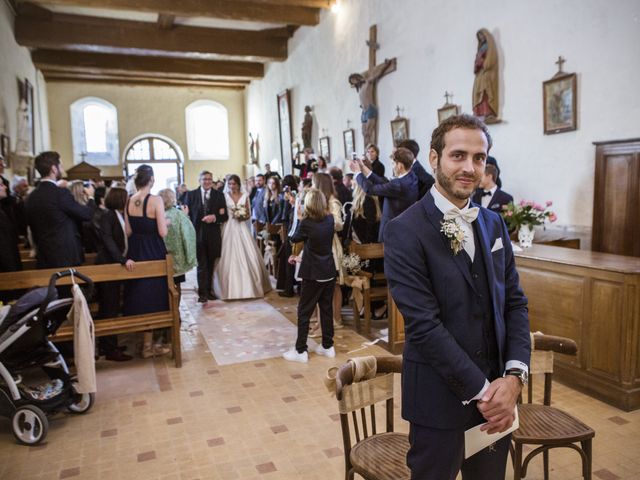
pixel 616 212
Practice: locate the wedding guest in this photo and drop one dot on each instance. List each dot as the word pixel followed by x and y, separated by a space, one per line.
pixel 9 252
pixel 399 193
pixel 489 195
pixel 347 181
pixel 373 155
pixel 271 201
pixel 268 173
pixel 146 227
pixel 318 273
pixel 52 213
pixel 324 183
pixel 181 238
pixel 322 165
pixel 112 248
pixel 365 216
pixel 425 180
pixel 286 271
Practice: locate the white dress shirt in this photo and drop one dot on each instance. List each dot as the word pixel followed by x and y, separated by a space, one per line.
pixel 486 199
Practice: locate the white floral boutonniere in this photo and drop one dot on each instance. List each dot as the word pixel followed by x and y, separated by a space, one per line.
pixel 454 234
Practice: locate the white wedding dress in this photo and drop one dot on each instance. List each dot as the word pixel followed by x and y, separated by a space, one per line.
pixel 241 272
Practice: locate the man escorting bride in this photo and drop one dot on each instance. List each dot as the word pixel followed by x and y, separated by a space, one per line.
pixel 241 272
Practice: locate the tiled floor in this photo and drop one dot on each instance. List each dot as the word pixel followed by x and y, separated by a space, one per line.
pixel 262 419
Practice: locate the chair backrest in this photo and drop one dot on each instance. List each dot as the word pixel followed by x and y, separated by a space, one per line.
pixel 542 350
pixel 367 250
pixel 357 400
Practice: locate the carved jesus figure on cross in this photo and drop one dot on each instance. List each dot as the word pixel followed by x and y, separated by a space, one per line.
pixel 365 85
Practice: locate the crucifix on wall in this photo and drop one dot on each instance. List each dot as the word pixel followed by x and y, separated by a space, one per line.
pixel 365 85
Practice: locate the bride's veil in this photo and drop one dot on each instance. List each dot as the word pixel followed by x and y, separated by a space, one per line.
pixel 236 178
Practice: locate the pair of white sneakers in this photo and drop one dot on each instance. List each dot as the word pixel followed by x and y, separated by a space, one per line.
pixel 293 355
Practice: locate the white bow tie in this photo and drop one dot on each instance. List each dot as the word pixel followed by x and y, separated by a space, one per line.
pixel 469 215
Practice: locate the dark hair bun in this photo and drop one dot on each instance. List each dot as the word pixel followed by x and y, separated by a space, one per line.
pixel 143 176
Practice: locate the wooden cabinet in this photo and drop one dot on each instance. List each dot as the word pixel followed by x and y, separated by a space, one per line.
pixel 616 203
pixel 594 299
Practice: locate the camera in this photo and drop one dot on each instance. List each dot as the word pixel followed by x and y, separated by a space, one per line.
pixel 286 189
pixel 86 184
pixel 354 156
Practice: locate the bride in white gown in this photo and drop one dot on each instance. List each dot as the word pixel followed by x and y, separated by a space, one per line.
pixel 240 272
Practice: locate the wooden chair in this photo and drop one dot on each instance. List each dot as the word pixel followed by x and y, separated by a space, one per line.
pixel 369 251
pixel 544 425
pixel 375 456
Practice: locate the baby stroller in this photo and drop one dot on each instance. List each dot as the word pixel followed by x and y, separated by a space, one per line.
pixel 24 348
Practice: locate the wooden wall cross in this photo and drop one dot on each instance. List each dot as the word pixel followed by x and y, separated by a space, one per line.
pixel 365 85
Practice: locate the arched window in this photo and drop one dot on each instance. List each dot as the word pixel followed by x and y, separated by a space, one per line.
pixel 94 131
pixel 162 153
pixel 207 131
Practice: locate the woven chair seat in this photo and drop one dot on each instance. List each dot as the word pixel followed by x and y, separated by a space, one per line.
pixel 382 457
pixel 541 424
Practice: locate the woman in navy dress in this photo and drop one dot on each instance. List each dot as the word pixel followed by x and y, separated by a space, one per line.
pixel 146 227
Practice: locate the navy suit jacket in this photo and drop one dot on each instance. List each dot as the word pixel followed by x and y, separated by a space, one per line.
pixel 317 257
pixel 399 194
pixel 52 214
pixel 434 291
pixel 425 181
pixel 499 198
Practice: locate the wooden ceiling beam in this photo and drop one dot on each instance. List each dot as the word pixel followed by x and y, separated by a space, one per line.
pixel 105 35
pixel 290 13
pixel 150 66
pixel 55 76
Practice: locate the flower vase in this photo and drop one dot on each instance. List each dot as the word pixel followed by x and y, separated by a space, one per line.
pixel 525 235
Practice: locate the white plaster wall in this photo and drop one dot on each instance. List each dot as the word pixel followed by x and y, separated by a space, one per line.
pixel 15 62
pixel 435 45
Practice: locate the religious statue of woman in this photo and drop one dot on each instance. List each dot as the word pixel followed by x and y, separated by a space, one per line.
pixel 485 86
pixel 307 126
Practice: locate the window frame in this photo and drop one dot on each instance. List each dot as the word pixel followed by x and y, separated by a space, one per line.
pixel 78 133
pixel 179 161
pixel 191 133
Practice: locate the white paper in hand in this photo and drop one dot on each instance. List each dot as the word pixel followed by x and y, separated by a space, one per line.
pixel 476 440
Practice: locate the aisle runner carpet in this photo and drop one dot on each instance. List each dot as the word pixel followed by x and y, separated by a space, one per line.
pixel 242 331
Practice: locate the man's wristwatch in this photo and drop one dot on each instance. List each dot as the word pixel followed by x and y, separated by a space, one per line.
pixel 522 375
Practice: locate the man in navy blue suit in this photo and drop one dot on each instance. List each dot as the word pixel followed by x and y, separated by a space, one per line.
pixel 467 344
pixel 399 193
pixel 425 181
pixel 490 195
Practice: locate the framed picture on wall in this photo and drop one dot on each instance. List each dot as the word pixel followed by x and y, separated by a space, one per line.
pixel 559 104
pixel 349 143
pixel 399 130
pixel 284 122
pixel 25 138
pixel 448 110
pixel 324 149
pixel 4 149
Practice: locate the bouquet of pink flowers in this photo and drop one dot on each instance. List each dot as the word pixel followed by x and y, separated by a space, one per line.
pixel 527 213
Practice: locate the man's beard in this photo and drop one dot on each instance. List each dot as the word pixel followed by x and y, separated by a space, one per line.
pixel 447 183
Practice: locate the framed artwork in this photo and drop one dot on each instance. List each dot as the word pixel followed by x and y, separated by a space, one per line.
pixel 324 149
pixel 284 122
pixel 25 139
pixel 349 143
pixel 399 130
pixel 448 110
pixel 559 104
pixel 4 148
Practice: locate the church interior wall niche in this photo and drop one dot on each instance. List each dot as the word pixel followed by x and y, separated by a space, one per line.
pixel 284 121
pixel 560 101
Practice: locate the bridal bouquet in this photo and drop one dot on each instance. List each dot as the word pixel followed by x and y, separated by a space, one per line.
pixel 240 213
pixel 353 264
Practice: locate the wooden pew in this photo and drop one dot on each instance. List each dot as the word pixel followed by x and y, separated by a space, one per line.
pixel 30 263
pixel 105 273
